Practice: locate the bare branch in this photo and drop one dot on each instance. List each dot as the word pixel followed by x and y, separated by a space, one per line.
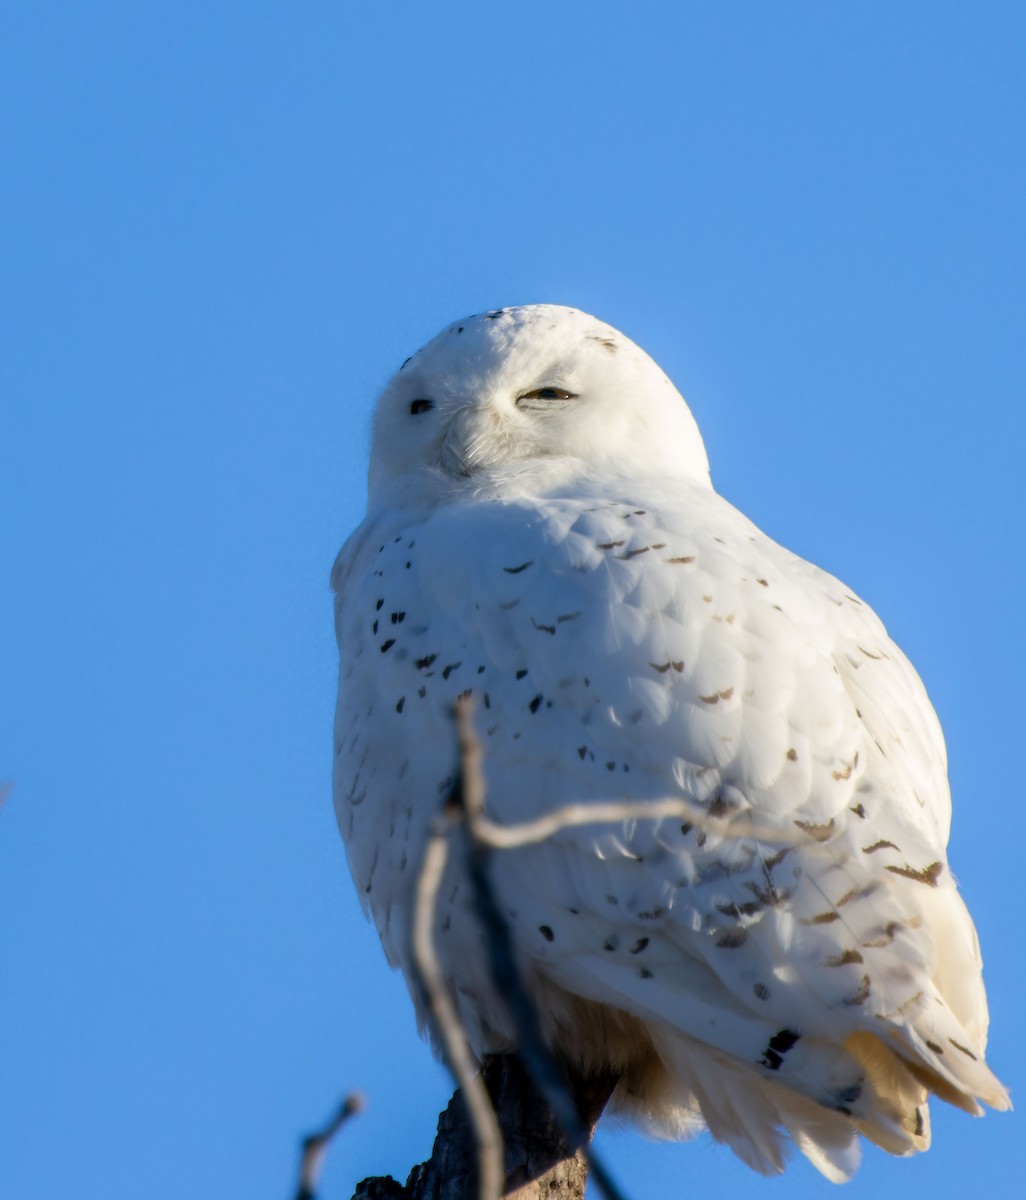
pixel 315 1146
pixel 458 1054
pixel 531 1045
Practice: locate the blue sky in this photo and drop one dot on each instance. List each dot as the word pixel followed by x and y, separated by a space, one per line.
pixel 224 225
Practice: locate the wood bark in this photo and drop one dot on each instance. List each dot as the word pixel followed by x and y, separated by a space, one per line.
pixel 539 1161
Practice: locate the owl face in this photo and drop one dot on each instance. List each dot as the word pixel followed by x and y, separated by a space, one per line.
pixel 539 391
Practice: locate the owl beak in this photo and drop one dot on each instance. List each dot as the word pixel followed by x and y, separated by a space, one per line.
pixel 463 444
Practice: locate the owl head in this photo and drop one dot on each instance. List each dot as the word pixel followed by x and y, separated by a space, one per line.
pixel 534 396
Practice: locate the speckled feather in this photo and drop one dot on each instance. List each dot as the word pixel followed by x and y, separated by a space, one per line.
pixel 807 971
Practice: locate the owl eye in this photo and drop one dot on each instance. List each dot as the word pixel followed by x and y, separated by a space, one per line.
pixel 548 393
pixel 419 406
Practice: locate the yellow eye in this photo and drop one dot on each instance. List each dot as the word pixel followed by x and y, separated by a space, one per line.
pixel 548 393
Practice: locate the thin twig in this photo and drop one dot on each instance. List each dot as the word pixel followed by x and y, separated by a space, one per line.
pixel 531 1045
pixel 315 1146
pixel 502 836
pixel 459 1057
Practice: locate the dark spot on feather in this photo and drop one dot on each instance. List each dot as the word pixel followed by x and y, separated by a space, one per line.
pixel 423 663
pixel 928 875
pixel 387 645
pixel 843 959
pixel 824 918
pixel 792 754
pixel 447 671
pixel 684 558
pixel 609 545
pixel 374 627
pixel 882 844
pixel 581 752
pixel 634 553
pixel 934 1047
pixel 377 607
pixel 737 911
pixel 761 991
pixel 644 973
pixel 521 673
pixel 639 945
pixel 732 939
pixel 398 618
pixel 517 570
pixel 860 996
pixel 543 628
pixel 859 810
pixel 535 703
pixel 819 833
pixel 779 1044
pixel 546 932
pixel 965 1050
pixel 400 703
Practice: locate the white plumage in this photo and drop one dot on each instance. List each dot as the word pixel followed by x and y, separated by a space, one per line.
pixel 542 533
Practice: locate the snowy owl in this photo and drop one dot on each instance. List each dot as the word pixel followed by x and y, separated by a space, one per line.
pixel 542 534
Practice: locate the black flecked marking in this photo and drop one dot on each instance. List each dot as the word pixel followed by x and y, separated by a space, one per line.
pixel 535 704
pixel 964 1049
pixel 480 670
pixel 543 628
pixel 609 545
pixel 581 752
pixel 447 671
pixel 377 607
pixel 400 703
pixel 732 939
pixel 517 570
pixel 610 766
pixel 487 700
pixel 684 558
pixel 374 627
pixel 423 663
pixel 644 973
pixel 639 945
pixel 761 991
pixel 847 1099
pixel 928 875
pixel 398 618
pixel 861 995
pixel 546 933
pixel 779 1044
pixel 405 363
pixel 634 553
pixel 567 617
pixel 387 645
pixel 521 673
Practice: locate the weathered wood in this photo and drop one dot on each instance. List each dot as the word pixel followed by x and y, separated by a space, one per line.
pixel 539 1162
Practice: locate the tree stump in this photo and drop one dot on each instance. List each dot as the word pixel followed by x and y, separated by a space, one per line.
pixel 539 1160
